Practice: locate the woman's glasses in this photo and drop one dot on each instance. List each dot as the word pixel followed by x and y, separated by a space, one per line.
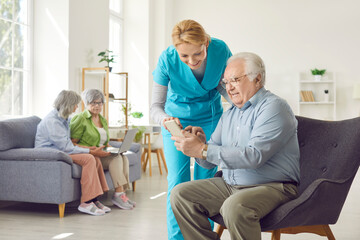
pixel 97 103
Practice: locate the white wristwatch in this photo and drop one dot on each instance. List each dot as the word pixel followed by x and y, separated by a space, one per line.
pixel 204 152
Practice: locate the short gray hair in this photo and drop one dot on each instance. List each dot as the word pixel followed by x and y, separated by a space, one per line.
pixel 90 95
pixel 65 103
pixel 254 64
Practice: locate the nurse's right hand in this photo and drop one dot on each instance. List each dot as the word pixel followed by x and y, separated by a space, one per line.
pixel 171 118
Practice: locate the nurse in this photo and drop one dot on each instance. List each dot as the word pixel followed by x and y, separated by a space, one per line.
pixel 186 88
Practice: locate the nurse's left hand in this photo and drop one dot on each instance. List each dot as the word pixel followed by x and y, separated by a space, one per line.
pixel 191 145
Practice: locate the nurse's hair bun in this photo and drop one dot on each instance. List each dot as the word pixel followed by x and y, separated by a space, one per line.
pixel 189 31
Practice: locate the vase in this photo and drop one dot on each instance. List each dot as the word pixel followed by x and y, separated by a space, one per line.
pixel 317 78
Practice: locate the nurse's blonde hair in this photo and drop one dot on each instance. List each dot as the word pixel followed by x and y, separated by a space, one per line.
pixel 189 31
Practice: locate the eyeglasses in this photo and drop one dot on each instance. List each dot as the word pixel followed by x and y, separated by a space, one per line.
pixel 96 103
pixel 233 80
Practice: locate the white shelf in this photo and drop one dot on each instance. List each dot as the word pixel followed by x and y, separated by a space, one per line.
pixel 316 82
pixel 316 103
pixel 321 108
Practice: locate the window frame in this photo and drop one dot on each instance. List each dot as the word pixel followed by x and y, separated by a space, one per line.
pixel 27 69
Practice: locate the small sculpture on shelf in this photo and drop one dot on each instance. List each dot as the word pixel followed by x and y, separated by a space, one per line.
pixel 318 73
pixel 326 95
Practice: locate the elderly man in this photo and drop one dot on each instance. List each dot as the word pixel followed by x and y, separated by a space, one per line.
pixel 255 144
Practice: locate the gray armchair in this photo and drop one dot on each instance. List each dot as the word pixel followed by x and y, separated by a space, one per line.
pixel 329 160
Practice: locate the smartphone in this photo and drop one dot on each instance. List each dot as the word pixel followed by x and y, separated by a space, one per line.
pixel 173 128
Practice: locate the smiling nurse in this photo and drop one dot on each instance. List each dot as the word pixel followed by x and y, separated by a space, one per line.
pixel 186 88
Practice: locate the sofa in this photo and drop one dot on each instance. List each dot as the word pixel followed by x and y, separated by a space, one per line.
pixel 44 175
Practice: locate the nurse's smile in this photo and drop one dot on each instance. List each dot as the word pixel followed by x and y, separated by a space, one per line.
pixel 191 54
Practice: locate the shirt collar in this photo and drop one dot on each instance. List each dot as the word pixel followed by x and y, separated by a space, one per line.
pixel 87 114
pixel 258 96
pixel 254 99
pixel 55 113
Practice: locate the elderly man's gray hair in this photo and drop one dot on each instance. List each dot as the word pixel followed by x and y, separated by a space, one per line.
pixel 254 65
pixel 90 95
pixel 65 103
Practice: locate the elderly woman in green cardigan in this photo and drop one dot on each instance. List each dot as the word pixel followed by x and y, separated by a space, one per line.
pixel 90 129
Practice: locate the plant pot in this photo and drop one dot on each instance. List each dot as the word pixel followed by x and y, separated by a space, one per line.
pixel 109 68
pixel 317 78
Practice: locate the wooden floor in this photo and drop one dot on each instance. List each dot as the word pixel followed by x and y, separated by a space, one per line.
pixel 146 221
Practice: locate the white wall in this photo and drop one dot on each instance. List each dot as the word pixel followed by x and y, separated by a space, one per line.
pixel 68 35
pixel 290 36
pixel 136 54
pixel 51 53
pixel 88 35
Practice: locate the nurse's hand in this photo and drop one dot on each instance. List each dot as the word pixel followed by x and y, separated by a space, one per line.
pixel 171 118
pixel 198 131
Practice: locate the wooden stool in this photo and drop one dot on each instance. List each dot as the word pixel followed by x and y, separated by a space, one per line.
pixel 149 148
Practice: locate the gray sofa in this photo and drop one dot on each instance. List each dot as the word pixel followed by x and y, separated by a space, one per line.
pixel 44 175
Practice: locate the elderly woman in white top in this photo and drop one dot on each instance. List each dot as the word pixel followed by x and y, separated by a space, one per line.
pixel 53 132
pixel 90 129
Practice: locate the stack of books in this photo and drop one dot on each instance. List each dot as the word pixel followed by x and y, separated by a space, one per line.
pixel 307 96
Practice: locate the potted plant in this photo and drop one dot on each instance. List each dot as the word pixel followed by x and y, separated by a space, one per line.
pixel 318 73
pixel 107 56
pixel 141 129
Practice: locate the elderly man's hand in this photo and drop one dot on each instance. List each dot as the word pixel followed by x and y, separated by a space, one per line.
pixel 198 131
pixel 191 144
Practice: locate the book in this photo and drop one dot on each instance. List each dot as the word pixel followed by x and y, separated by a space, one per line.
pixel 307 96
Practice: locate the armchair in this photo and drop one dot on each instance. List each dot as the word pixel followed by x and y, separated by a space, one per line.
pixel 329 160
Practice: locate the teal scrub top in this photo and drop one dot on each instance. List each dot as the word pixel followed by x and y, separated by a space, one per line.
pixel 187 99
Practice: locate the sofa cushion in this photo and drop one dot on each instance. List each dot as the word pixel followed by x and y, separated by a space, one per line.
pixel 38 154
pixel 18 133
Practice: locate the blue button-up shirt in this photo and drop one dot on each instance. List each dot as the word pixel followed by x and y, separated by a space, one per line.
pixel 257 143
pixel 53 132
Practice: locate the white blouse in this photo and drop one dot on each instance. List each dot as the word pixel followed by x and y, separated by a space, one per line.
pixel 103 136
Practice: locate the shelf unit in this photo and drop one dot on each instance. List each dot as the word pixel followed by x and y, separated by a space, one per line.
pixel 106 77
pixel 323 107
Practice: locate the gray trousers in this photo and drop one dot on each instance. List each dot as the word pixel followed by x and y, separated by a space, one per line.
pixel 241 207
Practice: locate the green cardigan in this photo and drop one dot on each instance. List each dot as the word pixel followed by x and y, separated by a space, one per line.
pixel 83 128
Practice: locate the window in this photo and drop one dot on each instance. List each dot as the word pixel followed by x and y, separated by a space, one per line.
pixel 116 23
pixel 14 56
pixel 117 82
